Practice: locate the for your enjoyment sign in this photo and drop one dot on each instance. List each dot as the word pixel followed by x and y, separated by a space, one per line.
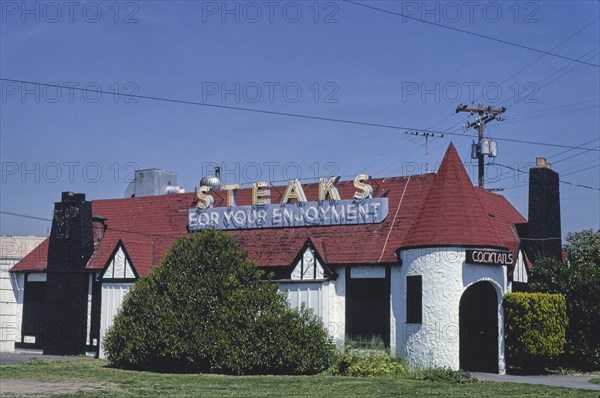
pixel 329 209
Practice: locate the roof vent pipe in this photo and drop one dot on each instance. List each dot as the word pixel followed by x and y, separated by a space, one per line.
pixel 212 181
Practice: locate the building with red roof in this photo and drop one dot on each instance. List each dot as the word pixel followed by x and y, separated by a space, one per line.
pixel 421 262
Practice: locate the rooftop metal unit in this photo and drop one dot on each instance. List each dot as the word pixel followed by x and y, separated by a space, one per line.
pixel 153 182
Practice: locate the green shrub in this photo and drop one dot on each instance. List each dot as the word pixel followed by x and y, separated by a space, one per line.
pixel 362 362
pixel 372 343
pixel 208 308
pixel 579 282
pixel 535 327
pixel 441 374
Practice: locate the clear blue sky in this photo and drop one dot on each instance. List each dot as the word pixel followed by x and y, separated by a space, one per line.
pixel 349 63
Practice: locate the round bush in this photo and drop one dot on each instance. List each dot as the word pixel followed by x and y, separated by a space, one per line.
pixel 207 307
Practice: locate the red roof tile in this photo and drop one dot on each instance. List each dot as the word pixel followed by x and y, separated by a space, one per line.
pixel 437 209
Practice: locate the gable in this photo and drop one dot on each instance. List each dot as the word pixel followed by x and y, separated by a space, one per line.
pixel 308 266
pixel 119 266
pixel 520 270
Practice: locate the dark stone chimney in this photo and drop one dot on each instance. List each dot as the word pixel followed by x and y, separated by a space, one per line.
pixel 70 247
pixel 543 229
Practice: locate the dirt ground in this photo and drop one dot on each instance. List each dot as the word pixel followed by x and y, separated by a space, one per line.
pixel 28 388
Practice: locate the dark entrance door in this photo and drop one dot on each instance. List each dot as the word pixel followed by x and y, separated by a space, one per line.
pixel 478 319
pixel 368 309
pixel 33 315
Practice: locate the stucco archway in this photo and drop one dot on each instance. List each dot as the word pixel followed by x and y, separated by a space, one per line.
pixel 478 324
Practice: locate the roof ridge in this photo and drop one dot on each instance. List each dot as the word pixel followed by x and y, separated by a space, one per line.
pixel 477 192
pixel 419 213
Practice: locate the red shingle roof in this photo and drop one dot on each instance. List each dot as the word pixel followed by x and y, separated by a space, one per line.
pixel 459 214
pixel 36 260
pixel 437 210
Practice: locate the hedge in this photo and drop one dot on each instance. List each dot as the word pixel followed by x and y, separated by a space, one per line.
pixel 535 327
pixel 579 280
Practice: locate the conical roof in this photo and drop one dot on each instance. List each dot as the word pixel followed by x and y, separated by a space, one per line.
pixel 453 214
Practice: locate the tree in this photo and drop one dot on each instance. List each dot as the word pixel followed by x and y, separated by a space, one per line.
pixel 207 307
pixel 579 281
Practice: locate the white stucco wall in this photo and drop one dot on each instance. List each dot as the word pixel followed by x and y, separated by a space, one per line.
pixel 435 342
pixel 113 295
pixel 327 300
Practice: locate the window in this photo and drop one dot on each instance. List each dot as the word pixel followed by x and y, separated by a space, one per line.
pixel 414 299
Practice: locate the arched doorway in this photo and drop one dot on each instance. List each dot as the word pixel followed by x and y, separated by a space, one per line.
pixel 478 320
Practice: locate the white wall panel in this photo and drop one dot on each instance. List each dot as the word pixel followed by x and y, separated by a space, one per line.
pixel 37 277
pixel 113 295
pixel 368 272
pixel 520 272
pixel 327 300
pixel 11 299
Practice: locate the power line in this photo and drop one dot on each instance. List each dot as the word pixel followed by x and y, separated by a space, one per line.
pixel 510 43
pixel 501 83
pixel 554 162
pixel 25 216
pixel 525 119
pixel 579 165
pixel 542 114
pixel 528 65
pixel 539 85
pixel 562 181
pixel 389 166
pixel 582 170
pixel 285 114
pixel 579 185
pixel 560 72
pixel 227 107
pixel 555 108
pixel 572 156
pixel 553 48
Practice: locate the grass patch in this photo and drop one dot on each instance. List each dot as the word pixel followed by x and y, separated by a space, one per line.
pixel 143 384
pixel 595 381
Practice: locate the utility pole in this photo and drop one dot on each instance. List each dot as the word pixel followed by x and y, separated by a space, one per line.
pixel 425 134
pixel 485 115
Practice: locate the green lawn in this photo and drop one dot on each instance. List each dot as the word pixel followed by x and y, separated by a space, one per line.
pixel 144 384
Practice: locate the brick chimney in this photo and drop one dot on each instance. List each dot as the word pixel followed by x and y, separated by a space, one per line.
pixel 544 227
pixel 70 247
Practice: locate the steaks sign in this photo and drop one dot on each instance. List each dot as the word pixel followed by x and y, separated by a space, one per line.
pixel 489 257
